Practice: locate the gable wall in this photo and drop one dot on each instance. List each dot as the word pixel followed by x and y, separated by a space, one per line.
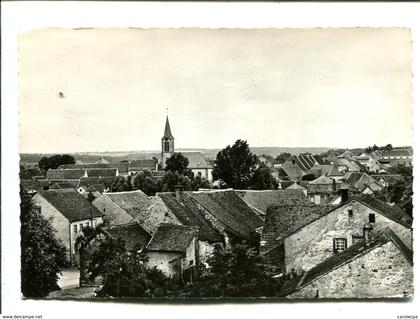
pixel 113 214
pixel 382 272
pixel 58 221
pixel 314 243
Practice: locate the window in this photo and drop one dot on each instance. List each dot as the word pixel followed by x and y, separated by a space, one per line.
pixel 104 209
pixel 87 224
pixel 350 213
pixel 75 229
pixel 80 227
pixel 166 146
pixel 339 245
pixel 38 209
pixel 371 218
pixel 191 262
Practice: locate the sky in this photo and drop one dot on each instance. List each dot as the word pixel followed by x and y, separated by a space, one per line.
pixel 338 88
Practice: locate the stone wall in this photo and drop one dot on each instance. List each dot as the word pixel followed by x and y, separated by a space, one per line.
pixel 382 272
pixel 113 214
pixel 164 261
pixel 314 243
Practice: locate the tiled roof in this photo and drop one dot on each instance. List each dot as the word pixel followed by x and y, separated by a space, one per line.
pixel 84 166
pixel 296 186
pixel 196 160
pixel 334 171
pixel 227 207
pixel 304 161
pixel 172 238
pixel 35 172
pixel 188 213
pixel 293 171
pixel 321 180
pixel 122 167
pixel 320 170
pixel 101 172
pixel 285 219
pixel 142 164
pixel 71 204
pixel 394 212
pixel 360 180
pixel 261 200
pixel 286 184
pixel 133 234
pixel 321 160
pixel 361 248
pixel 347 153
pixel 62 185
pixel 64 174
pixel 86 181
pixel 395 153
pixel 131 202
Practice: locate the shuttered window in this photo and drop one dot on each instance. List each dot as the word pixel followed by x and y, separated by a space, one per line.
pixel 339 245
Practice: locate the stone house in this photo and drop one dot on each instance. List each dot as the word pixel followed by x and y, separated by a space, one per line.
pixel 321 190
pixel 379 267
pixel 301 235
pixel 68 212
pixel 369 162
pixel 121 207
pixel 173 249
pixel 199 165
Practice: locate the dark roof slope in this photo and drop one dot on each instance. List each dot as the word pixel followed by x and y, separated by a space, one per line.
pixel 101 172
pixel 87 181
pixel 285 219
pixel 131 202
pixel 57 174
pixel 261 200
pixel 134 235
pixel 230 210
pixel 62 185
pixel 142 164
pixel 172 238
pixel 71 204
pixel 84 166
pixel 167 133
pixel 377 239
pixel 188 213
pixel 394 212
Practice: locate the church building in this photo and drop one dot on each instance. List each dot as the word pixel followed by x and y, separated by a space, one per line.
pixel 196 160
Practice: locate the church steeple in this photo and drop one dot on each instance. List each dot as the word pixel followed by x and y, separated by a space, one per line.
pixel 168 143
pixel 167 132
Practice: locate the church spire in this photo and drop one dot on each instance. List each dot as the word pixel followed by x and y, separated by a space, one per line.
pixel 167 132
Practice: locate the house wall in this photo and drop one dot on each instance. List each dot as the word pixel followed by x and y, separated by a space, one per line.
pixel 205 251
pixel 58 221
pixel 157 213
pixel 205 173
pixel 382 272
pixel 314 243
pixel 164 261
pixel 113 214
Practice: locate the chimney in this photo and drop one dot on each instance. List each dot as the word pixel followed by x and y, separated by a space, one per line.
pixel 366 231
pixel 344 195
pixel 334 186
pixel 178 191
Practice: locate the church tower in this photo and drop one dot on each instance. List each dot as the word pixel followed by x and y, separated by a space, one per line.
pixel 168 145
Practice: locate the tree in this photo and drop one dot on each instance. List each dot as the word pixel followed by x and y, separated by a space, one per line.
pixel 235 165
pixel 145 181
pixel 55 161
pixel 262 179
pixel 42 255
pixel 121 184
pixel 200 182
pixel 237 271
pixel 178 163
pixel 172 179
pixel 125 273
pixel 283 157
